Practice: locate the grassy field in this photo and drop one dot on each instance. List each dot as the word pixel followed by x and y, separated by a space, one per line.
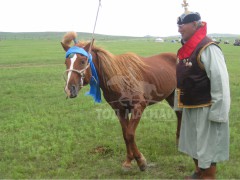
pixel 43 135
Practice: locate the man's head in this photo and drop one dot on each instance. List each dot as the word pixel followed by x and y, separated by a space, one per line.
pixel 188 23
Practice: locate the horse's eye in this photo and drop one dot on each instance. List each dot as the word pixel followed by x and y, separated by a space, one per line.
pixel 82 62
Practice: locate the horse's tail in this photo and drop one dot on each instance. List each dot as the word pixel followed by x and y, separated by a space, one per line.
pixel 69 37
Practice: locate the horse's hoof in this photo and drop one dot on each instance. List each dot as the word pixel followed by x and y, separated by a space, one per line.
pixel 142 163
pixel 143 167
pixel 127 166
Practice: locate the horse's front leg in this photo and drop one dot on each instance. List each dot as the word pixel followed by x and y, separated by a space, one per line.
pixel 130 136
pixel 124 120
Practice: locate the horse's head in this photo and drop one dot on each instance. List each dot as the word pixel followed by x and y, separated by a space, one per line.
pixel 77 65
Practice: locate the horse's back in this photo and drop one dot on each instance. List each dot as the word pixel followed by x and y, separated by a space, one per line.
pixel 160 63
pixel 161 72
pixel 169 59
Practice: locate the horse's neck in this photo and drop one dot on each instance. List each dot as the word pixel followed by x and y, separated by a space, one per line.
pixel 100 72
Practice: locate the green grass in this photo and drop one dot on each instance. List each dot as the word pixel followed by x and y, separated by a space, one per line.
pixel 43 135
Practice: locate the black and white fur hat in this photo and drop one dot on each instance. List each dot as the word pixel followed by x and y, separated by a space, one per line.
pixel 188 16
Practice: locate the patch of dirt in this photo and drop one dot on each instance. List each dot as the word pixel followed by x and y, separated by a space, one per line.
pixel 102 150
pixel 181 168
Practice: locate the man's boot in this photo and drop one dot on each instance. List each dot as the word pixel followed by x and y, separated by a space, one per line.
pixel 197 172
pixel 209 173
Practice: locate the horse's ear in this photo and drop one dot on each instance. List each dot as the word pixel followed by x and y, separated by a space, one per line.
pixel 87 47
pixel 65 47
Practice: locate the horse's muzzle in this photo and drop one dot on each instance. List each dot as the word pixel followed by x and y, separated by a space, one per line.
pixel 73 91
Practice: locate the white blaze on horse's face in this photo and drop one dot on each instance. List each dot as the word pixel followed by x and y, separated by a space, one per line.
pixel 72 61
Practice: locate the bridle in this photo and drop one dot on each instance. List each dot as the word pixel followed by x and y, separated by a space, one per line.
pixel 81 72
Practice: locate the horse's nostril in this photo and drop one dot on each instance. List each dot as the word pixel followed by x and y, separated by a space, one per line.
pixel 73 91
pixel 72 88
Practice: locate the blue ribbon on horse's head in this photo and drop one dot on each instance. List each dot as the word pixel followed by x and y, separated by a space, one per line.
pixel 77 50
pixel 94 91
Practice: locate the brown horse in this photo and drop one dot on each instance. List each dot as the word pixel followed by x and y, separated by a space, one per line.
pixel 129 84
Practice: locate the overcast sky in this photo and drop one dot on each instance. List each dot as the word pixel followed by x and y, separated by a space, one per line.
pixel 116 17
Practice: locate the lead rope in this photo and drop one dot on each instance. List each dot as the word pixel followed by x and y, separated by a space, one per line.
pixel 90 48
pixel 82 72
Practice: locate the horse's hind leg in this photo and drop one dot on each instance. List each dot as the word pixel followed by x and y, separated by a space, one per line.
pixel 179 120
pixel 170 100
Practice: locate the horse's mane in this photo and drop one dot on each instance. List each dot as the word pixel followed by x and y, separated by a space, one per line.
pixel 128 65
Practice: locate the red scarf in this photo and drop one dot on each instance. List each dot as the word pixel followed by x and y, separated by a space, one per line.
pixel 187 49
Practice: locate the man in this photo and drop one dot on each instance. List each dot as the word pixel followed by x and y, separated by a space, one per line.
pixel 204 97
